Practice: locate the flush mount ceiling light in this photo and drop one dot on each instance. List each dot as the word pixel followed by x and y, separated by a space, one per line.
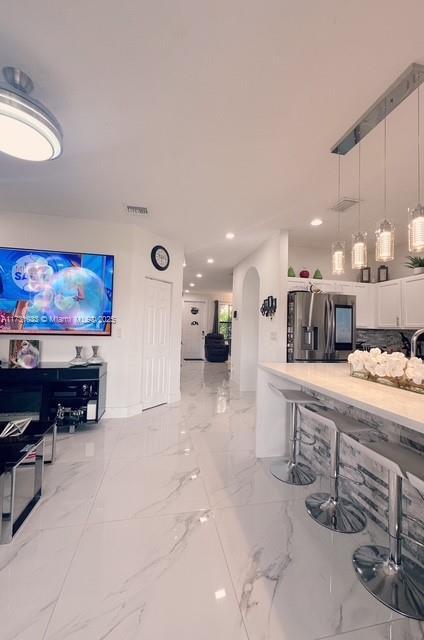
pixel 316 222
pixel 230 235
pixel 27 129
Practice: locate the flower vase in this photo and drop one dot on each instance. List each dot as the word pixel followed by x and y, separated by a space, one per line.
pixel 78 361
pixel 95 358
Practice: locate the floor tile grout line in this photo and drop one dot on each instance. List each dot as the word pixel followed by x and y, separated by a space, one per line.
pixel 77 546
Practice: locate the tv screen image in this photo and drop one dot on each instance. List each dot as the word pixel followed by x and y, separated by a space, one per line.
pixel 44 292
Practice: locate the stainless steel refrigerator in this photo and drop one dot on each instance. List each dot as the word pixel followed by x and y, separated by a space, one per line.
pixel 321 327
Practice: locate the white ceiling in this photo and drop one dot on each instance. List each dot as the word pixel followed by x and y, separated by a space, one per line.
pixel 215 115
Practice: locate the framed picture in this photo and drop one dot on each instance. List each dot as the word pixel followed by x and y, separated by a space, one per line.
pixel 24 354
pixel 366 274
pixel 383 273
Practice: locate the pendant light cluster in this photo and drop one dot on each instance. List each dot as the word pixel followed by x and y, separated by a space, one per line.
pixel 385 230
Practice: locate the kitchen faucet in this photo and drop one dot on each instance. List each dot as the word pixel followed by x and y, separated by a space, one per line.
pixel 414 341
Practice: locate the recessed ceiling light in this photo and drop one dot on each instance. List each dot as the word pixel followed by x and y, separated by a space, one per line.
pixel 27 129
pixel 184 263
pixel 186 290
pixel 316 222
pixel 210 260
pixel 191 284
pixel 221 593
pixel 229 235
pixel 199 275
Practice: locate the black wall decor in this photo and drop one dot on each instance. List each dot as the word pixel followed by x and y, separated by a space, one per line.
pixel 269 307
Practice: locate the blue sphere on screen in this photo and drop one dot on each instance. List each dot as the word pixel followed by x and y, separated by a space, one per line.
pixel 77 297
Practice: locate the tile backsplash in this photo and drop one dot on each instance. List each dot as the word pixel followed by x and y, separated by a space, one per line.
pixel 386 339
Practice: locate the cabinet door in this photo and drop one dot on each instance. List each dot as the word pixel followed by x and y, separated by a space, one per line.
pixel 365 304
pixel 389 304
pixel 413 302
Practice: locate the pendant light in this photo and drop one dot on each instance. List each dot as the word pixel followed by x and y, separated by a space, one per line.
pixel 416 216
pixel 359 239
pixel 385 232
pixel 27 129
pixel 338 247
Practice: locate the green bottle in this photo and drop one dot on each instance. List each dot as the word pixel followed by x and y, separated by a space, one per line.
pixel 291 273
pixel 318 274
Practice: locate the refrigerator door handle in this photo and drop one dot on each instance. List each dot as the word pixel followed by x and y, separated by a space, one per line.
pixel 333 326
pixel 327 331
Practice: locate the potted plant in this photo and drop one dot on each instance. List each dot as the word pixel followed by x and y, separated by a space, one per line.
pixel 415 263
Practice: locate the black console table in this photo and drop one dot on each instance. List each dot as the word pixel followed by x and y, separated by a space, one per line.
pixel 38 392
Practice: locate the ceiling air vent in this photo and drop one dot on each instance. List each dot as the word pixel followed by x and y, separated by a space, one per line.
pixel 137 211
pixel 344 203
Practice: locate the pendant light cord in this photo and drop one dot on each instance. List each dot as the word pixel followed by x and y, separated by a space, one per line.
pixel 385 159
pixel 418 141
pixel 359 186
pixel 338 200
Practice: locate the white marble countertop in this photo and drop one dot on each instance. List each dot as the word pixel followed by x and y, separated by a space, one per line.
pixel 332 379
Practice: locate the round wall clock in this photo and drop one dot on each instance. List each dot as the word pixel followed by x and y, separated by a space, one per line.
pixel 160 257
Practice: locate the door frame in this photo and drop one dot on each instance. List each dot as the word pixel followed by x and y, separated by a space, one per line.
pixel 203 326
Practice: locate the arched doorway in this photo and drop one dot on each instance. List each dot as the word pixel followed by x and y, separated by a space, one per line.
pixel 249 331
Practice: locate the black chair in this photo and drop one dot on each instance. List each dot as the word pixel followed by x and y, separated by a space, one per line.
pixel 215 348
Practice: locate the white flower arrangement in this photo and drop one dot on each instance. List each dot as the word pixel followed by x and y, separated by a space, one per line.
pixel 392 366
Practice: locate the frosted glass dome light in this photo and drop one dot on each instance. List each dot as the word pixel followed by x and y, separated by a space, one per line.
pixel 27 129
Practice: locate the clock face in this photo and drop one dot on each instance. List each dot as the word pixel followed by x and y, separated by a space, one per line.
pixel 160 258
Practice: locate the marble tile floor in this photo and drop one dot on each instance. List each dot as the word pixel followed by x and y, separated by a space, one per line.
pixel 165 526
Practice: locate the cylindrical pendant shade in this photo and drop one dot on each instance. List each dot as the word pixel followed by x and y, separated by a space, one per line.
pixel 385 241
pixel 359 250
pixel 338 257
pixel 416 229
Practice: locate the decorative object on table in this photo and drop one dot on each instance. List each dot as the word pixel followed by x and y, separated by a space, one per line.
pixel 317 274
pixel 78 361
pixel 365 274
pixel 304 273
pixel 160 258
pixel 392 369
pixel 382 273
pixel 15 428
pixel 24 353
pixel 415 263
pixel 291 273
pixel 269 307
pixel 95 358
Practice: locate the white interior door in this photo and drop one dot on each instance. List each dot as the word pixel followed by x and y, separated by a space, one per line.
pixel 194 330
pixel 156 343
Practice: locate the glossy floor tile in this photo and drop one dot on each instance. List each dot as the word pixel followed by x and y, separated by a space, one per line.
pixel 164 525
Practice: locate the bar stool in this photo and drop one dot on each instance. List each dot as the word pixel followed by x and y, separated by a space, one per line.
pixel 329 509
pixel 291 471
pixel 392 577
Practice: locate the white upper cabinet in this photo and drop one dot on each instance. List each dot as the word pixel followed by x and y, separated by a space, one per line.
pixel 413 302
pixel 394 304
pixel 389 304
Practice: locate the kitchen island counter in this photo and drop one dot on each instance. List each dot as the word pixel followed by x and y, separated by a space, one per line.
pixel 331 380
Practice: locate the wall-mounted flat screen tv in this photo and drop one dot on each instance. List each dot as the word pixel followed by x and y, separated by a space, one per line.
pixel 55 292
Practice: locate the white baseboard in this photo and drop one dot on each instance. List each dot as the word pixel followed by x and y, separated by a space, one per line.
pixel 123 412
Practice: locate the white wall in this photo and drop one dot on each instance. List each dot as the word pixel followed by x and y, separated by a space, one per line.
pixel 312 258
pixel 222 296
pixel 271 263
pixel 131 247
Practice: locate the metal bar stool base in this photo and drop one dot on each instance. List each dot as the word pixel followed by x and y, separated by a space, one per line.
pixel 400 587
pixel 338 515
pixel 290 473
